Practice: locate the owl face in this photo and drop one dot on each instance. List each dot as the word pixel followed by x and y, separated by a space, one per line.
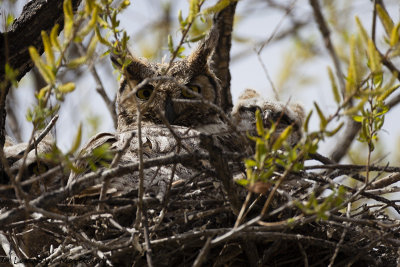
pixel 177 94
pixel 244 111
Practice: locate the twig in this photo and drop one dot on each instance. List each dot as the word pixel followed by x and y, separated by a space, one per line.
pixel 258 51
pixel 42 135
pixel 303 253
pixel 353 167
pixel 385 181
pixel 332 261
pixel 100 87
pixel 7 248
pixel 147 241
pixel 203 253
pixel 325 32
pixel 50 198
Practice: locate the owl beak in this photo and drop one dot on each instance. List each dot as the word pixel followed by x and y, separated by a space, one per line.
pixel 169 110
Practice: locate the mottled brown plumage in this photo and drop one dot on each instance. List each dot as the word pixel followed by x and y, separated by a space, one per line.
pixel 168 90
pixel 285 114
pixel 164 96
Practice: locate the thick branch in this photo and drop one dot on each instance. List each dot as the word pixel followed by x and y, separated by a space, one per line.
pixel 221 57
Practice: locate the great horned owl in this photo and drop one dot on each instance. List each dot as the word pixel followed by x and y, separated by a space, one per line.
pixel 172 90
pixel 287 114
pixel 178 94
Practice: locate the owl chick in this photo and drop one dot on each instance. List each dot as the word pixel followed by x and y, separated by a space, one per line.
pixel 243 114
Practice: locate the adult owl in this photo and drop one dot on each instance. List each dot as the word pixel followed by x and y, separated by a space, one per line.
pixel 176 103
pixel 177 92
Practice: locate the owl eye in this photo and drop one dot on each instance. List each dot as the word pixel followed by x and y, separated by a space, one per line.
pixel 144 93
pixel 188 94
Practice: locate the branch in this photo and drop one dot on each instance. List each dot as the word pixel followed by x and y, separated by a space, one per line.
pixel 221 56
pixel 37 16
pixel 325 32
pixel 51 198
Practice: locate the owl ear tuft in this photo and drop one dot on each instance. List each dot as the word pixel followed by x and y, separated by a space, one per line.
pixel 199 58
pixel 134 67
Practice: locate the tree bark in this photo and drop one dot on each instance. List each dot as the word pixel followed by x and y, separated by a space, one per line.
pixel 221 57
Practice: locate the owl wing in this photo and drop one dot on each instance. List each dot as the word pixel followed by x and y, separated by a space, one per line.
pixel 157 141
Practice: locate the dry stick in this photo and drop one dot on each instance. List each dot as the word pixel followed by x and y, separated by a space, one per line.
pixel 332 261
pixel 8 249
pixel 325 32
pixel 385 181
pixel 353 167
pixel 31 145
pixel 50 198
pixel 203 253
pixel 353 127
pixel 32 179
pixel 242 210
pixel 147 241
pixel 358 192
pixel 100 87
pixel 258 52
pixel 303 253
pixel 139 210
pixel 46 130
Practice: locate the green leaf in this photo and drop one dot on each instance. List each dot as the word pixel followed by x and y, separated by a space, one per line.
pixel 170 44
pixel 182 22
pixel 354 110
pixel 43 92
pixel 282 137
pixel 323 121
pixel 374 58
pixel 9 20
pixel 68 19
pixel 364 34
pixel 352 74
pixel 332 133
pixel 77 141
pixel 334 86
pixel 92 46
pixel 242 182
pixel 101 39
pixel 44 70
pixel 197 38
pixel 388 92
pixel 54 37
pixel 250 163
pixel 217 7
pixel 11 74
pixel 307 121
pixel 92 22
pixel 394 36
pixel 124 4
pixel 48 49
pixel 77 62
pixel 385 19
pixel 193 10
pixel 67 88
pixel 358 118
pixel 259 124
